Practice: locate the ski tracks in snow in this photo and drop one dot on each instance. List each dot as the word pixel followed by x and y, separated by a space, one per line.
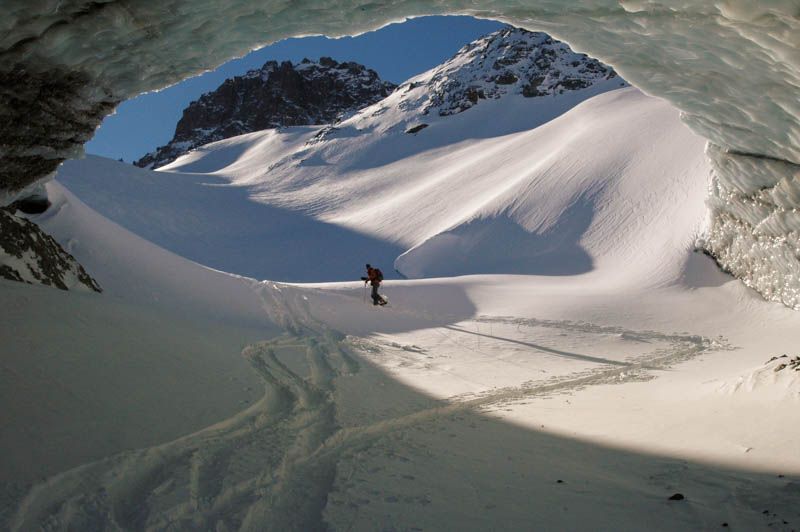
pixel 276 462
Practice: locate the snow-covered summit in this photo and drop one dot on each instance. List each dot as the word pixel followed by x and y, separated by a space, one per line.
pixel 510 61
pixel 275 95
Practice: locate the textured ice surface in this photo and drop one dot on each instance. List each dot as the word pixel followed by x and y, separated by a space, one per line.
pixel 731 66
pixel 755 223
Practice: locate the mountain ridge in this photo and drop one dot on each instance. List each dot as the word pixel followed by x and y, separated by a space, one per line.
pixel 275 95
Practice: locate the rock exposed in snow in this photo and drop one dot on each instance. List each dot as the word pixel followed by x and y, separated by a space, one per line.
pixel 276 95
pixel 511 61
pixel 30 256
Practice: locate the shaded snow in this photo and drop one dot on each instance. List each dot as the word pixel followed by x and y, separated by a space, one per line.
pixel 485 389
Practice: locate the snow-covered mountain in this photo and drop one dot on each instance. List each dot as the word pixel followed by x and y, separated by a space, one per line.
pixel 510 61
pixel 276 95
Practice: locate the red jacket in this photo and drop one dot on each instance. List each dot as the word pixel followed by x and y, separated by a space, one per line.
pixel 374 276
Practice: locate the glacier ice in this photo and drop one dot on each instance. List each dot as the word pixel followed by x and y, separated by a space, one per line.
pixel 755 223
pixel 731 66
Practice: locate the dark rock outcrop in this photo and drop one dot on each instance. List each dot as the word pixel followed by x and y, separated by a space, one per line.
pixel 416 129
pixel 276 95
pixel 30 256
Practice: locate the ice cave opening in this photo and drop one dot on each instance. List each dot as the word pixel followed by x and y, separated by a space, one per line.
pixel 732 67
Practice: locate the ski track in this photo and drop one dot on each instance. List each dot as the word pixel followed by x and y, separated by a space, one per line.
pixel 276 462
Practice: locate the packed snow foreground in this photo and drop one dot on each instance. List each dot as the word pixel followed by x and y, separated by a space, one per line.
pixel 591 366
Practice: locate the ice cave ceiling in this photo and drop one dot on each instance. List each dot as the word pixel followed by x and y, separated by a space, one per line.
pixel 731 66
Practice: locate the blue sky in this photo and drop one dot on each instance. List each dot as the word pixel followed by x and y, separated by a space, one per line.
pixel 396 52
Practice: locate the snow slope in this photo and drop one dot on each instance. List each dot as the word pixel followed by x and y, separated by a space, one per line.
pixel 434 405
pixel 288 173
pixel 578 386
pixel 154 357
pixel 640 373
pixel 488 195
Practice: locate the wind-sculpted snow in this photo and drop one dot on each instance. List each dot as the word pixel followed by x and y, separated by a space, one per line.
pixel 731 67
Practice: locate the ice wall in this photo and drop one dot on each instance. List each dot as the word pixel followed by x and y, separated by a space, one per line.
pixel 755 223
pixel 731 66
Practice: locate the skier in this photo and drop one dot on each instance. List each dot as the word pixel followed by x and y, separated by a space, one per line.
pixel 374 277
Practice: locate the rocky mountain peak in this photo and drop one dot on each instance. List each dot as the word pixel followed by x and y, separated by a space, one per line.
pixel 511 61
pixel 275 95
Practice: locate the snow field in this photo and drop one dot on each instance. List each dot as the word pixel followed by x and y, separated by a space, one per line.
pixel 516 199
pixel 337 442
pixel 464 403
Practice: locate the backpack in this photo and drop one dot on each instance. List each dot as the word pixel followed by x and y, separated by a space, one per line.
pixel 378 274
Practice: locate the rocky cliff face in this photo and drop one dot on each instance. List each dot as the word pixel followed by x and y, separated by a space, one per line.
pixel 511 61
pixel 276 95
pixel 30 256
